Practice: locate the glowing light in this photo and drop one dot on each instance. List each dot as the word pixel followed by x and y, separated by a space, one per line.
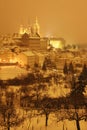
pixel 11 60
pixel 56 43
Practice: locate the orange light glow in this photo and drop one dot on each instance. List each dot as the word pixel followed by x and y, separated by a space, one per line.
pixel 56 44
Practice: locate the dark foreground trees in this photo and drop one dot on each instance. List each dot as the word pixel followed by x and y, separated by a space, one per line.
pixel 33 97
pixel 9 116
pixel 77 99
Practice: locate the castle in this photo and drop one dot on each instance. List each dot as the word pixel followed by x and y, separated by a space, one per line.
pixel 31 36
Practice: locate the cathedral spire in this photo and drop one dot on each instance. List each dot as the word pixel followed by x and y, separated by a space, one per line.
pixel 37 26
pixel 21 30
pixel 36 20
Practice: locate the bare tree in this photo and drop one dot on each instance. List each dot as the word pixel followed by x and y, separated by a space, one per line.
pixel 47 106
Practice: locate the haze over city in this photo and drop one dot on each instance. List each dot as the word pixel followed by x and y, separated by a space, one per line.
pixel 67 19
pixel 43 65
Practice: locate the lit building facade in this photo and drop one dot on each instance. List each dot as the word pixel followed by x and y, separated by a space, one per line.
pixel 57 43
pixel 7 57
pixel 29 58
pixel 26 58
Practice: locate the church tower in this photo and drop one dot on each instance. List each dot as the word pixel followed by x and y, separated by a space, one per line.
pixel 36 28
pixel 21 30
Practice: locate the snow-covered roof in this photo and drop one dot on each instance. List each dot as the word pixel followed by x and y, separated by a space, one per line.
pixel 28 53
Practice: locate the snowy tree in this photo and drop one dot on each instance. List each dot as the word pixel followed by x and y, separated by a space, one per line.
pixel 65 69
pixel 71 68
pixel 83 75
pixel 77 100
pixel 44 66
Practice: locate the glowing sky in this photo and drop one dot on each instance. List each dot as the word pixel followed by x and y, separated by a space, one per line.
pixel 62 18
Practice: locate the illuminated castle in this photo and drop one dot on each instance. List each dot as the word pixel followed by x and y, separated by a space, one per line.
pixel 32 31
pixel 31 36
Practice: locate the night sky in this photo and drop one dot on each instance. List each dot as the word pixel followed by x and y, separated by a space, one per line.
pixel 62 18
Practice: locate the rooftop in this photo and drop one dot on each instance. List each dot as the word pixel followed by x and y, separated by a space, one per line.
pixel 28 53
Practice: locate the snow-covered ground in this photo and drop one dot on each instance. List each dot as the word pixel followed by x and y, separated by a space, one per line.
pixel 9 72
pixel 58 91
pixel 38 123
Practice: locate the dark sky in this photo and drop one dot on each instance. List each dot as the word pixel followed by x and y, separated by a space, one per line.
pixel 62 18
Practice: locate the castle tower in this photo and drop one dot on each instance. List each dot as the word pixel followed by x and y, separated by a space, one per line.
pixel 21 30
pixel 36 28
pixel 29 30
